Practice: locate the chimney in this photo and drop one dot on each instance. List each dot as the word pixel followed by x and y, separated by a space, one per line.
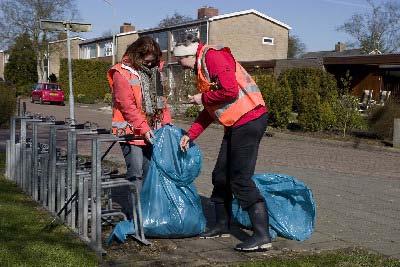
pixel 340 47
pixel 126 27
pixel 206 12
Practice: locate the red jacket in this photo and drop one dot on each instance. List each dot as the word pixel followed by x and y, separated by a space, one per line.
pixel 221 68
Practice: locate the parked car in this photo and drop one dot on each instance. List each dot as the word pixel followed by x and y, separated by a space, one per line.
pixel 47 92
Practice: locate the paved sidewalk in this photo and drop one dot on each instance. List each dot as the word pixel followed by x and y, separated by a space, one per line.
pixel 357 191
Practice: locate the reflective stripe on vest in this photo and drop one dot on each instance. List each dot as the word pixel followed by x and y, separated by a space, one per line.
pixel 248 98
pixel 119 124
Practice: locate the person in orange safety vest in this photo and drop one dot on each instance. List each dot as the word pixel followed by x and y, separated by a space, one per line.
pixel 230 96
pixel 135 110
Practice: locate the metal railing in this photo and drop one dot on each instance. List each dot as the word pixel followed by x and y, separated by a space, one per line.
pixel 77 192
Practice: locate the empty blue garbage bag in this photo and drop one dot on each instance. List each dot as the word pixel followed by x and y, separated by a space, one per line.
pixel 291 206
pixel 171 206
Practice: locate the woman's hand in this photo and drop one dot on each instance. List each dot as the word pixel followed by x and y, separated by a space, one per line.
pixel 184 143
pixel 195 99
pixel 149 136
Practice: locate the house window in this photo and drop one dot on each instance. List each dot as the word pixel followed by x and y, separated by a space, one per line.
pixel 179 35
pixel 268 40
pixel 89 51
pixel 92 51
pixel 162 40
pixel 203 33
pixel 105 49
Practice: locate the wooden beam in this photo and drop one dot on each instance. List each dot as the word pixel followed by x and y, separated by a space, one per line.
pixel 392 59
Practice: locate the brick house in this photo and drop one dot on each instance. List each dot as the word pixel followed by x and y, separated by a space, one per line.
pixel 250 34
pixel 58 50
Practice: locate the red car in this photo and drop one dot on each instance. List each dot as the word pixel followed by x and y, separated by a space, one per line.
pixel 47 92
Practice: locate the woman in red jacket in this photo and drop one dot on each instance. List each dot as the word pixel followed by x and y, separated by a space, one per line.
pixel 230 96
pixel 135 111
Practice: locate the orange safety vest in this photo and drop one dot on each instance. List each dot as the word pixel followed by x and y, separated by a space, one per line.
pixel 249 95
pixel 121 127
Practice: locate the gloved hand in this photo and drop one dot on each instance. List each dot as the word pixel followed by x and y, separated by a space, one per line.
pixel 184 143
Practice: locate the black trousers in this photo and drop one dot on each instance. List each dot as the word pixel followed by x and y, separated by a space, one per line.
pixel 236 163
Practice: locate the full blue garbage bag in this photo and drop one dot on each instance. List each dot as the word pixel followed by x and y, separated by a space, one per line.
pixel 290 203
pixel 171 206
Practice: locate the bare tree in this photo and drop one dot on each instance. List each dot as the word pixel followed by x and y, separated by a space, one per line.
pixel 174 19
pixel 295 47
pixel 23 16
pixel 377 30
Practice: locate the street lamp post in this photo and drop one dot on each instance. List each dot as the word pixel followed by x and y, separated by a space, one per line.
pixel 67 26
pixel 71 91
pixel 113 32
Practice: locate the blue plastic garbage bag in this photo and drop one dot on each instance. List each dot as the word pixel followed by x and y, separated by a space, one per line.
pixel 171 206
pixel 290 203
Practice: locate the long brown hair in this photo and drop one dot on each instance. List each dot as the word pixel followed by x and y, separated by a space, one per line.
pixel 139 49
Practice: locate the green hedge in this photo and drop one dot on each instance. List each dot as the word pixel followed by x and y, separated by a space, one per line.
pixel 89 79
pixel 315 96
pixel 193 111
pixel 278 98
pixel 7 102
pixel 310 79
pixel 309 110
pixel 381 119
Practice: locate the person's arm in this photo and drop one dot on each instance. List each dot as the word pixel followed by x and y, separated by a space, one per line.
pixel 200 124
pixel 221 67
pixel 166 114
pixel 125 102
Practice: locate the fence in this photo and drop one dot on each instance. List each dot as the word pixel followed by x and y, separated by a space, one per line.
pixel 74 190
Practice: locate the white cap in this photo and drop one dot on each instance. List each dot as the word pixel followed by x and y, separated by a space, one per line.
pixel 182 50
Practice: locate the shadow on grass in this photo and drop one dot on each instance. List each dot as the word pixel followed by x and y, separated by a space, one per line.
pixel 23 241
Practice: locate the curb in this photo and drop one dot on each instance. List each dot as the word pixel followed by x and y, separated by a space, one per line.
pixel 272 132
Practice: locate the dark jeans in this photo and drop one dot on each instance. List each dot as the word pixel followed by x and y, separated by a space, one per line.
pixel 137 160
pixel 236 163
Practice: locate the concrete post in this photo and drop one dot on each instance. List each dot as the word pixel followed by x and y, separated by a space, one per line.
pixel 396 133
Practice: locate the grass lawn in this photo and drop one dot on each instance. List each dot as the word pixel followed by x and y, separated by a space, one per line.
pixel 23 242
